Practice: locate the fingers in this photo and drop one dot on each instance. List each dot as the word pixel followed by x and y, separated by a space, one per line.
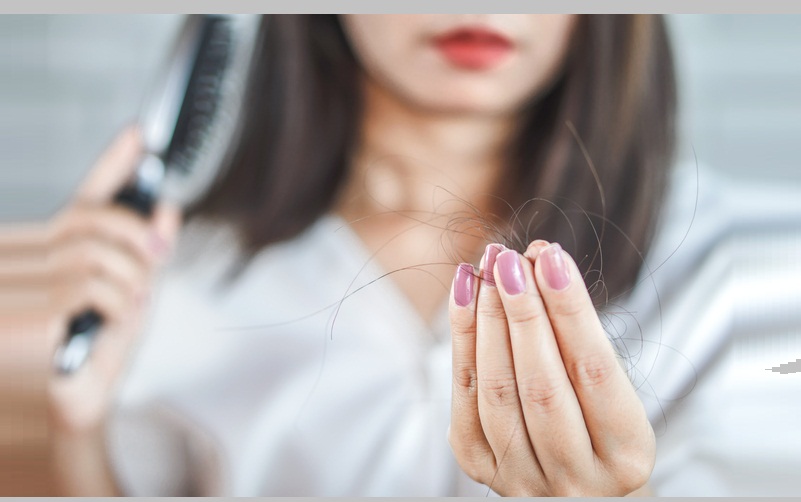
pixel 113 168
pixel 92 255
pixel 545 395
pixel 612 411
pixel 116 224
pixel 111 300
pixel 551 410
pixel 465 434
pixel 93 273
pixel 94 247
pixel 498 401
pixel 96 257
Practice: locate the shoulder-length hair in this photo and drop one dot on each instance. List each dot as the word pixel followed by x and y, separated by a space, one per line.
pixel 587 166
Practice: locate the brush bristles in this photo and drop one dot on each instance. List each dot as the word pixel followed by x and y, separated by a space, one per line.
pixel 208 120
pixel 203 93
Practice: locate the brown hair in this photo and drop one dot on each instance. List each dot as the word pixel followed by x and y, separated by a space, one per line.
pixel 586 168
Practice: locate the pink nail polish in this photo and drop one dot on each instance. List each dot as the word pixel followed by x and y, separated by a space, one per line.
pixel 534 248
pixel 511 271
pixel 488 262
pixel 464 285
pixel 554 267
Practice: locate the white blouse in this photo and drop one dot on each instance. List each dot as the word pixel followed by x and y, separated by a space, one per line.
pixel 302 376
pixel 297 381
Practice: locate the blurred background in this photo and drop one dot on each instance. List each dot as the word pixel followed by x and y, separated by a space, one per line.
pixel 68 83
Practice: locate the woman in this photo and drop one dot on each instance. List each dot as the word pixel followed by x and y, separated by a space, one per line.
pixel 273 363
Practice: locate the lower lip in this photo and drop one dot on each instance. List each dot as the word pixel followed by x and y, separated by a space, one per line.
pixel 474 52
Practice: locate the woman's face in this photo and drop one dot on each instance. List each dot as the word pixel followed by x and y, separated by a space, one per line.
pixel 471 63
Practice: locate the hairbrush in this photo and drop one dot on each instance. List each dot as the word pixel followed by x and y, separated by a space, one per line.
pixel 188 123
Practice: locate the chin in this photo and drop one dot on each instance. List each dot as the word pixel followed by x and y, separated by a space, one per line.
pixel 455 99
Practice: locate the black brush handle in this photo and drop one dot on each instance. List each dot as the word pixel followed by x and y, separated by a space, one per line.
pixel 83 328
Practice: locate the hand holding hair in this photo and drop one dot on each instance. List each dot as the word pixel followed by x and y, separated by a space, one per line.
pixel 540 403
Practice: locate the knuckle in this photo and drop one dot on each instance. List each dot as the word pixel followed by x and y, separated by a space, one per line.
pixel 542 392
pixel 470 457
pixel 466 380
pixel 567 307
pixel 79 221
pixel 631 465
pixel 462 322
pixel 528 315
pixel 87 259
pixel 592 370
pixel 631 470
pixel 499 390
pixel 491 308
pixel 472 469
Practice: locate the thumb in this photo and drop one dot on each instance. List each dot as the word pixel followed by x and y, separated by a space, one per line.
pixel 114 167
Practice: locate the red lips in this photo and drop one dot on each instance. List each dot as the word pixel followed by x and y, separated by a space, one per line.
pixel 474 48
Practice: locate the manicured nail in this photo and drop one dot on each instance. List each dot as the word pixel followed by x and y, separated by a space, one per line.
pixel 464 284
pixel 488 262
pixel 512 276
pixel 554 267
pixel 533 249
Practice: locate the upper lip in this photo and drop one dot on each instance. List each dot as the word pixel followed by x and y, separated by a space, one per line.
pixel 473 31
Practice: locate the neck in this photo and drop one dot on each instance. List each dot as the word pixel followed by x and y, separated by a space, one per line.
pixel 414 159
pixel 418 181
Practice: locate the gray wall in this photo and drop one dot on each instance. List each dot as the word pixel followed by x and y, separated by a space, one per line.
pixel 68 83
pixel 740 83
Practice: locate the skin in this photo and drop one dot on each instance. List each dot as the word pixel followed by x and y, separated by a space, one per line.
pixel 540 404
pixel 396 51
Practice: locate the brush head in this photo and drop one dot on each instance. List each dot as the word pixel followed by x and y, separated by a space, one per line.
pixel 191 118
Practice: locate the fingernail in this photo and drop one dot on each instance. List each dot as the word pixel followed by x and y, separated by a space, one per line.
pixel 464 284
pixel 512 276
pixel 488 262
pixel 533 249
pixel 554 267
